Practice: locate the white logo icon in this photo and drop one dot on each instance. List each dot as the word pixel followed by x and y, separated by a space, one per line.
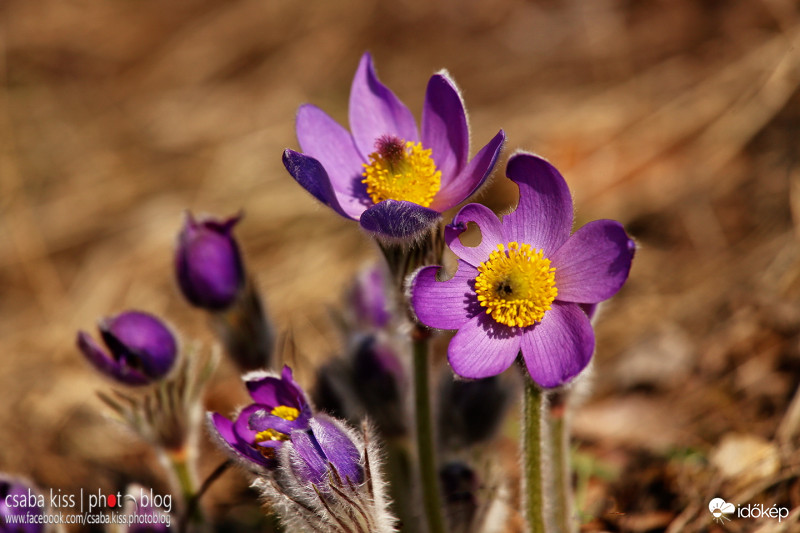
pixel 719 508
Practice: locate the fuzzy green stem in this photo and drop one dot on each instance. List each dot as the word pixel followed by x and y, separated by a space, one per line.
pixel 429 477
pixel 533 455
pixel 562 472
pixel 185 480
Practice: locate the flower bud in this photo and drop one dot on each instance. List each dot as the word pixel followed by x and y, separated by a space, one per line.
pixel 322 452
pixel 380 381
pixel 140 348
pixel 208 264
pixel 460 486
pixel 329 480
pixel 471 411
pixel 19 499
pixel 369 299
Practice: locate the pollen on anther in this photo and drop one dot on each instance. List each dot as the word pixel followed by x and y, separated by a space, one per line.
pixel 516 285
pixel 401 171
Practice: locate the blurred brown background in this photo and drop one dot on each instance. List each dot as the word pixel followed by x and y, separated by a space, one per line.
pixel 678 117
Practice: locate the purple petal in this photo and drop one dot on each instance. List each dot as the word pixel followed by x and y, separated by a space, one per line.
pixel 397 220
pixel 543 217
pixel 444 304
pixel 307 460
pixel 227 437
pixel 241 426
pixel 273 391
pixel 328 142
pixel 263 420
pixel 105 364
pixel 375 111
pixel 444 126
pixel 483 348
pixel 594 262
pixel 311 175
pixel 471 177
pixel 491 233
pixel 338 448
pixel 560 346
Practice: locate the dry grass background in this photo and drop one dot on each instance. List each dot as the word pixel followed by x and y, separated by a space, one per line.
pixel 680 118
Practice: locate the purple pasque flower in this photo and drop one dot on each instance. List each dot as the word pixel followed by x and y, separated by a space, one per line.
pixel 279 407
pixel 208 264
pixel 140 348
pixel 326 448
pixel 385 173
pixel 19 499
pixel 521 288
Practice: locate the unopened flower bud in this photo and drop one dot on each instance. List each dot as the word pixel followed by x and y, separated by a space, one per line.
pixel 140 348
pixel 208 263
pixel 328 479
pixel 471 411
pixel 369 299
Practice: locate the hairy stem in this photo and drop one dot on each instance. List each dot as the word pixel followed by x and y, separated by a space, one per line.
pixel 533 456
pixel 562 472
pixel 429 477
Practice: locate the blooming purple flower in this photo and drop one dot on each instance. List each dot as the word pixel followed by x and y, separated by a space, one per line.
pixel 386 174
pixel 141 348
pixel 208 264
pixel 521 288
pixel 20 501
pixel 325 445
pixel 280 407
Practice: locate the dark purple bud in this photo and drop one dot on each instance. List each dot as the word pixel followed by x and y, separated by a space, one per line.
pixel 140 348
pixel 369 299
pixel 460 487
pixel 471 411
pixel 246 331
pixel 19 499
pixel 208 263
pixel 324 446
pixel 333 391
pixel 380 382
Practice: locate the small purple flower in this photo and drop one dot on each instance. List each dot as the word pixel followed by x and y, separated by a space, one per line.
pixel 19 499
pixel 521 288
pixel 386 174
pixel 141 348
pixel 280 407
pixel 208 263
pixel 325 445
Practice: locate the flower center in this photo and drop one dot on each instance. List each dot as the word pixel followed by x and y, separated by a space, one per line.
pixel 282 411
pixel 401 170
pixel 516 286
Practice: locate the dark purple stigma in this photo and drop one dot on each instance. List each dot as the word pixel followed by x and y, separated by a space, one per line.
pixel 391 148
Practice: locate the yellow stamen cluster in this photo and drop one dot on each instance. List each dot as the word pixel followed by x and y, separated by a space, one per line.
pixel 286 412
pixel 282 411
pixel 405 173
pixel 516 286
